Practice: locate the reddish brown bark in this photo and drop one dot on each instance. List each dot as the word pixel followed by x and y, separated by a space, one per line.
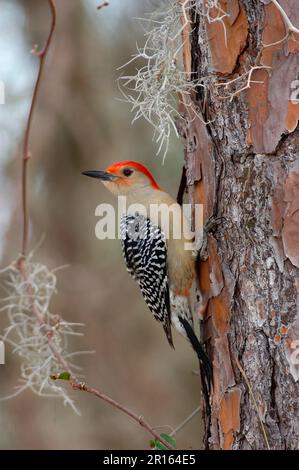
pixel 244 166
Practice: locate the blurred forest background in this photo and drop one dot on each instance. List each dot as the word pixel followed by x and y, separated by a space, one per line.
pixel 79 124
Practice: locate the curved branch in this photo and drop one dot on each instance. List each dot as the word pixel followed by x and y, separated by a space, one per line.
pixel 288 23
pixel 44 327
pixel 26 154
pixel 139 419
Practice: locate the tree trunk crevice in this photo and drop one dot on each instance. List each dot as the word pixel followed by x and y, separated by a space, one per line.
pixel 245 168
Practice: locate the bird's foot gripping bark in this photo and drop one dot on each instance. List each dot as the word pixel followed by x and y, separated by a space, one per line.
pixel 210 227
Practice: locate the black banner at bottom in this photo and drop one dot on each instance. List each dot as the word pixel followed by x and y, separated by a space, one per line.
pixel 134 459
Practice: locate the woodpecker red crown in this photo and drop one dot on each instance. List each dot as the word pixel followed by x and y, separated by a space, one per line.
pixel 116 167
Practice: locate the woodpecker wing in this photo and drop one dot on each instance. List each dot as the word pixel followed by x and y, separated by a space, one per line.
pixel 145 251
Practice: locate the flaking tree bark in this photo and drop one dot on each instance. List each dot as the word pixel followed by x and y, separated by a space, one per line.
pixel 244 166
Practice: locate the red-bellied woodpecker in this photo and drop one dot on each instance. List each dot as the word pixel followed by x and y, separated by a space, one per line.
pixel 156 258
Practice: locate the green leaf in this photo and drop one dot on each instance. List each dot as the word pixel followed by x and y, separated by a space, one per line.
pixel 152 444
pixel 170 439
pixel 61 376
pixel 160 446
pixel 157 445
pixel 64 376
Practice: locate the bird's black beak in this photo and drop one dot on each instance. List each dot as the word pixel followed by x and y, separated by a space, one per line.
pixel 101 175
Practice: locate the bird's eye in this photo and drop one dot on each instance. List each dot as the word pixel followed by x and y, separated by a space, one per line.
pixel 127 171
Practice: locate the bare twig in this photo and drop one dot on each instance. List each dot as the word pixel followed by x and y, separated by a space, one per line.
pixel 139 419
pixel 26 154
pixel 247 85
pixel 254 402
pixel 185 32
pixel 34 332
pixel 288 23
pixel 76 384
pixel 213 13
pixel 290 28
pixel 186 421
pixel 41 340
pixel 287 36
pixel 28 297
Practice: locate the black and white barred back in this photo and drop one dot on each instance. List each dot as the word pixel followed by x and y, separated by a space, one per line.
pixel 145 251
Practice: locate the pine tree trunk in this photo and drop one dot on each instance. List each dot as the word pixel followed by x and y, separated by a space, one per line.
pixel 244 166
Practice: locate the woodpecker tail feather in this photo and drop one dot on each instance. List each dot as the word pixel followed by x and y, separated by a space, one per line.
pixel 168 333
pixel 201 354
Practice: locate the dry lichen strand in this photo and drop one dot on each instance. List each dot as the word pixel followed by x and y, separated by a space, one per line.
pixel 157 87
pixel 28 339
